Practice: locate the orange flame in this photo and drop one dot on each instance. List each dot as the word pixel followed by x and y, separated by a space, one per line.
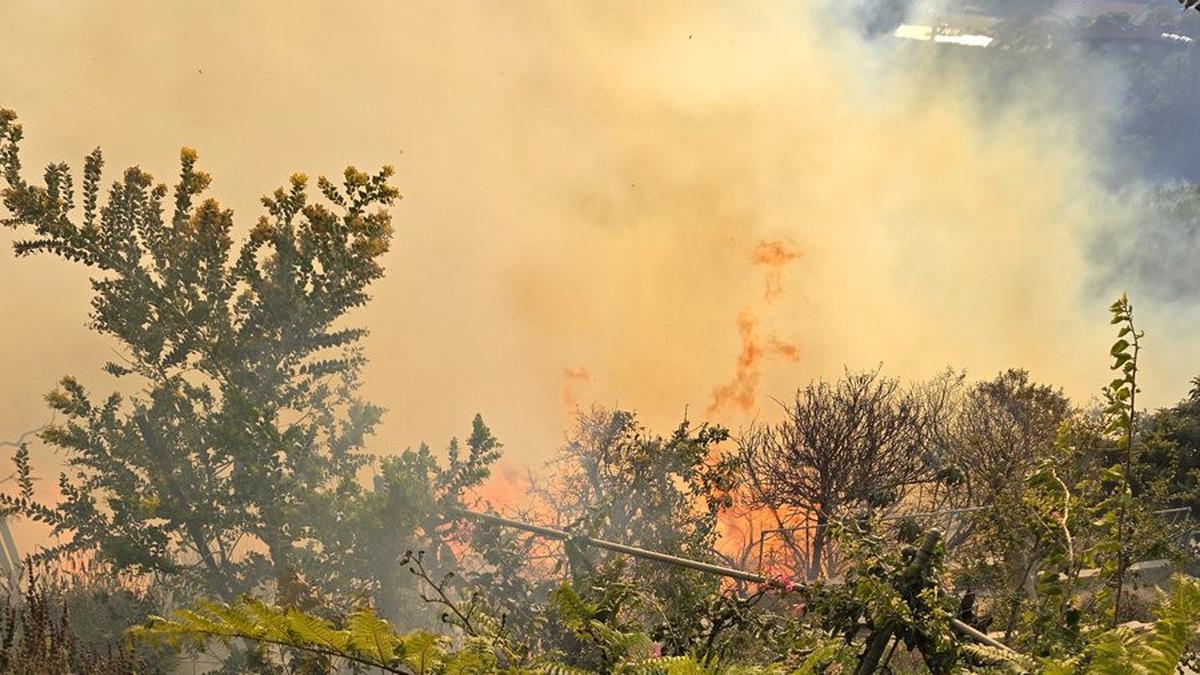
pixel 742 391
pixel 506 486
pixel 774 255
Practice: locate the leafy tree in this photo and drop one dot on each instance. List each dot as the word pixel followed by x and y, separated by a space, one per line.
pixel 616 480
pixel 236 463
pixel 1168 466
pixel 1121 414
pixel 1054 522
pixel 1005 431
pixel 1078 508
pixel 1005 426
pixel 369 534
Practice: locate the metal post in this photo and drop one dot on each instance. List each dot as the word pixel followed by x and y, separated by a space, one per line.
pixel 914 578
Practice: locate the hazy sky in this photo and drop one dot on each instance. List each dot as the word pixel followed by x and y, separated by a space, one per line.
pixel 586 193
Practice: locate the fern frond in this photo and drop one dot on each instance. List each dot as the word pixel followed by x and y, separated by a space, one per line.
pixel 574 610
pixel 1174 631
pixel 372 637
pixel 560 669
pixel 316 631
pixel 422 651
pixel 1000 659
pixel 366 640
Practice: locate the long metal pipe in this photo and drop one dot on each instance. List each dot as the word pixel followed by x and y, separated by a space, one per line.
pixel 563 535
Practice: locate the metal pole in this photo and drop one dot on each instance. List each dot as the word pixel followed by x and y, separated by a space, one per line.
pixel 634 551
pixel 915 577
pixel 563 535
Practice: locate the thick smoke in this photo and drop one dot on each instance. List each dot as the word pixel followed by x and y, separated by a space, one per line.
pixel 1159 257
pixel 588 187
pixel 945 206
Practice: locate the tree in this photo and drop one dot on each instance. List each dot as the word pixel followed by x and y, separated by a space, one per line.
pixel 1168 465
pixel 369 534
pixel 1004 430
pixel 847 445
pixel 1028 549
pixel 1121 413
pixel 235 465
pixel 1005 426
pixel 616 480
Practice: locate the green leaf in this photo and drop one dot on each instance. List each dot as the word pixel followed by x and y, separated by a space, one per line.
pixel 316 631
pixel 372 637
pixel 421 651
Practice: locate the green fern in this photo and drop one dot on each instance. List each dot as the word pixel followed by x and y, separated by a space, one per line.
pixel 475 656
pixel 995 660
pixel 422 651
pixel 366 639
pixel 1175 629
pixel 372 636
pixel 316 631
pixel 574 611
pixel 1158 651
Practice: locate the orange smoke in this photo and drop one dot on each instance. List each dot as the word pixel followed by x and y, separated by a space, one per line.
pixel 741 393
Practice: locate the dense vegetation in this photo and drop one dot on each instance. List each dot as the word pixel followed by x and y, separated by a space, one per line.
pixel 891 521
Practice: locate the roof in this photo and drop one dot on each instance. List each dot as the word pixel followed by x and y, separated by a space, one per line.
pixel 1046 24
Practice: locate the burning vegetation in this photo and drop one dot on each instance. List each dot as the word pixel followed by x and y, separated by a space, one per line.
pixel 939 525
pixel 224 508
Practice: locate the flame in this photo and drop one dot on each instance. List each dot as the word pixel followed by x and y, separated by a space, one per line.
pixel 741 393
pixel 774 255
pixel 750 536
pixel 507 486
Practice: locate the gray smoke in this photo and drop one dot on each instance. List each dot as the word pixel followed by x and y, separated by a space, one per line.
pixel 1115 59
pixel 882 17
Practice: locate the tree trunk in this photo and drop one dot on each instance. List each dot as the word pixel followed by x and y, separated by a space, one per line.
pixel 817 554
pixel 164 482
